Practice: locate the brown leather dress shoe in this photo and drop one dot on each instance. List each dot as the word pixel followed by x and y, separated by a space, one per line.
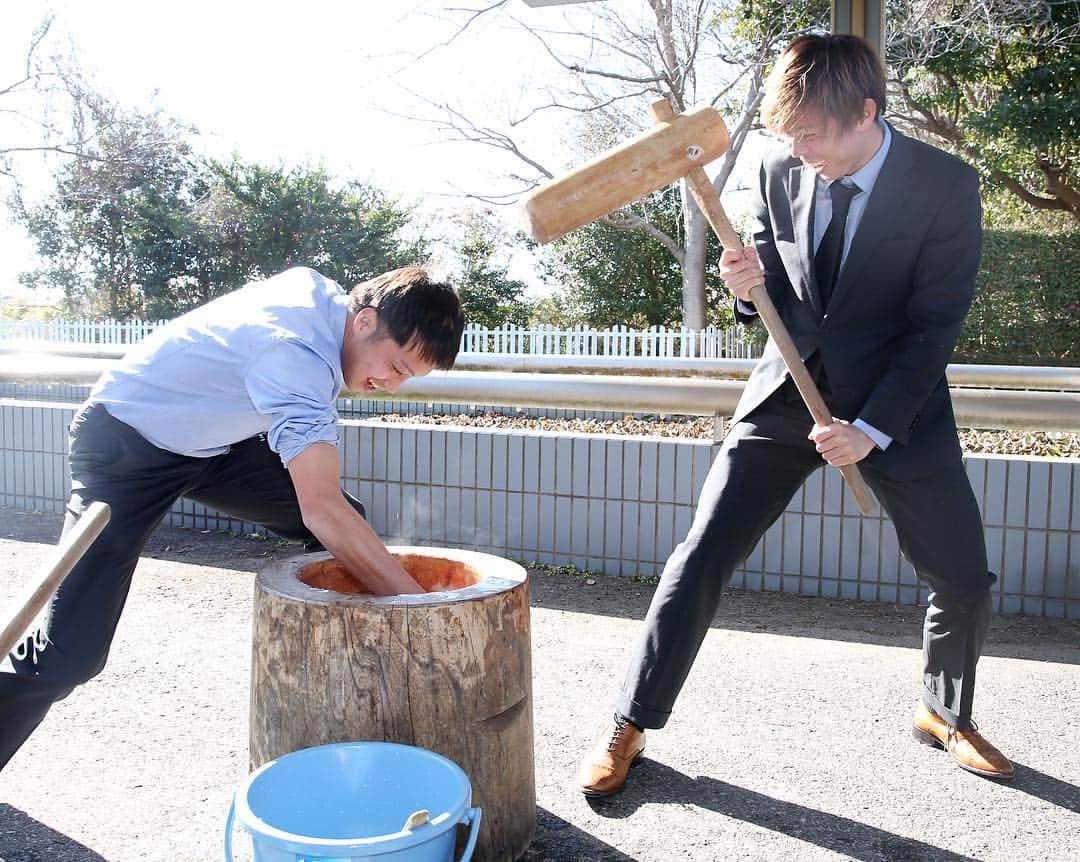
pixel 968 747
pixel 604 769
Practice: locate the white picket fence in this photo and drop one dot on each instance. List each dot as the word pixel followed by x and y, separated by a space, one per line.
pixel 658 341
pixel 79 331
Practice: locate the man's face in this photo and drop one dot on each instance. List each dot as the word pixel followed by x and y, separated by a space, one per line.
pixel 828 150
pixel 371 361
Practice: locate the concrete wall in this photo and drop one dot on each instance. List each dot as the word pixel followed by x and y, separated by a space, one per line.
pixel 620 504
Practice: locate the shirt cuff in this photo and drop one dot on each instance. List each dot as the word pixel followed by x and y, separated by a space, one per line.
pixel 881 440
pixel 745 308
pixel 290 439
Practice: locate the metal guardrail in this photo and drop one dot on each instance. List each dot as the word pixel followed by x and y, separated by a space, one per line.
pixel 1043 377
pixel 999 376
pixel 698 396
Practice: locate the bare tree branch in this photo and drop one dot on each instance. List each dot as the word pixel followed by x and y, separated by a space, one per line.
pixel 462 128
pixel 581 109
pixel 600 73
pixel 473 16
pixel 499 200
pixel 625 220
pixel 52 86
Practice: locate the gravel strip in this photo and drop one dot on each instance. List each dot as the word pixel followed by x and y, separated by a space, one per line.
pixel 1051 444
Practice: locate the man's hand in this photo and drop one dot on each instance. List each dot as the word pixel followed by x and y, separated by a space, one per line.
pixel 741 270
pixel 342 531
pixel 841 443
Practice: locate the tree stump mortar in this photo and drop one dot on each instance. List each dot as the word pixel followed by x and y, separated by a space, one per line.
pixel 449 670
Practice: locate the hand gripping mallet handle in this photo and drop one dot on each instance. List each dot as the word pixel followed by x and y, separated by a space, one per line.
pixel 707 198
pixel 67 553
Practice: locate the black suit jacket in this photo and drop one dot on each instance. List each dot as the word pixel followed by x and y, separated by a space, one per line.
pixel 897 306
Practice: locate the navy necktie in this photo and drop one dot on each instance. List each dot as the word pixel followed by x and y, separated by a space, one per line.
pixel 831 250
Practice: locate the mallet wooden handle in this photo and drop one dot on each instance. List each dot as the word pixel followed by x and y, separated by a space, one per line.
pixel 68 552
pixel 705 194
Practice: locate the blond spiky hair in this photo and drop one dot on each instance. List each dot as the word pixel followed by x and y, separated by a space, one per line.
pixel 833 74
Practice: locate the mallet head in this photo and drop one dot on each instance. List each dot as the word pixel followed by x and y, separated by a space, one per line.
pixel 639 167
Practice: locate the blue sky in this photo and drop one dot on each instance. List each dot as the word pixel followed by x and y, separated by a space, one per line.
pixel 319 83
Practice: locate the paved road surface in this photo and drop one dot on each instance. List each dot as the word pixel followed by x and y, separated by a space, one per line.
pixel 791 741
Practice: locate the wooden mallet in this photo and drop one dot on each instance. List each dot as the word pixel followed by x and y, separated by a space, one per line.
pixel 67 553
pixel 678 146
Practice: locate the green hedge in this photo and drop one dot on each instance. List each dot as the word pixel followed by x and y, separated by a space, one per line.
pixel 1027 301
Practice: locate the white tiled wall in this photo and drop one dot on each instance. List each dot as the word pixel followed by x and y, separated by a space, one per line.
pixel 620 504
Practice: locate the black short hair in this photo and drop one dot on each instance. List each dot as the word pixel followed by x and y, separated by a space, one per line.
pixel 414 309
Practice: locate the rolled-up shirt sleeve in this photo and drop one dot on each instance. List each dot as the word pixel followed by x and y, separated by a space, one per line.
pixel 294 386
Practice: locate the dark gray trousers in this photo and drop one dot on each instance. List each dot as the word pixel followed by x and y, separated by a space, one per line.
pixel 111 462
pixel 762 463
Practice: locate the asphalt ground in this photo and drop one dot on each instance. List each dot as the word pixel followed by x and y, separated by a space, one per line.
pixel 791 740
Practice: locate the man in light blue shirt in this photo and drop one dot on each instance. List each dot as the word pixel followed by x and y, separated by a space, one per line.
pixel 231 405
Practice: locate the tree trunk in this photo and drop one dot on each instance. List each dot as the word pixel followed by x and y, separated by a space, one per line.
pixel 697 232
pixel 449 671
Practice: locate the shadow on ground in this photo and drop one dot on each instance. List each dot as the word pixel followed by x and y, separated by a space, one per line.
pixel 24 839
pixel 657 783
pixel 1046 787
pixel 557 840
pixel 850 838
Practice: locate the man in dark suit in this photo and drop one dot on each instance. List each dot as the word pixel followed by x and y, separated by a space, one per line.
pixel 868 243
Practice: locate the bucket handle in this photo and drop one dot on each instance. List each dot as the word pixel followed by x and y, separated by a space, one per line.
pixel 472 815
pixel 229 829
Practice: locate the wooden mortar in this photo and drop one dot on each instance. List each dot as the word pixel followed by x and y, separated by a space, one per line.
pixel 449 670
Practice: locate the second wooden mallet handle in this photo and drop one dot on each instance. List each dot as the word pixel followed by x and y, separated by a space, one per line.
pixel 67 553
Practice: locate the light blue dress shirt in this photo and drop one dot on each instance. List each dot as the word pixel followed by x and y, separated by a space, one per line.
pixel 263 359
pixel 865 178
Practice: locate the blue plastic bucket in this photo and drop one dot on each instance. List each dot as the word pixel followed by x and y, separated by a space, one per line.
pixel 350 801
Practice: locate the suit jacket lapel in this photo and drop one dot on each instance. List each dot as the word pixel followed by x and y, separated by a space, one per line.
pixel 883 210
pixel 801 185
